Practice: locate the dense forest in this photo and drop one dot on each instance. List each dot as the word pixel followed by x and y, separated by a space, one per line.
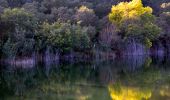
pixel 84 27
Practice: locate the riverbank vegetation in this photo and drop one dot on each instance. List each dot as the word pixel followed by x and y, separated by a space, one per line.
pixel 93 28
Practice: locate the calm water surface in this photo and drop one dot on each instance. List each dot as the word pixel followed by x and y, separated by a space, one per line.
pixel 130 78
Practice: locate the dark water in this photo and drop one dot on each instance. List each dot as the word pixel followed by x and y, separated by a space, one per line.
pixel 131 78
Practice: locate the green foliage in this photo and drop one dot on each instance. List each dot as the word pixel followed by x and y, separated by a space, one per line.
pixel 85 16
pixel 151 30
pixel 19 17
pixel 65 36
pixel 33 25
pixel 22 28
pixel 10 49
pixel 147 42
pixel 63 14
pixel 137 21
pixel 145 34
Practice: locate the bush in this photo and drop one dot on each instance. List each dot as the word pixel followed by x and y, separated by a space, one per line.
pixel 65 37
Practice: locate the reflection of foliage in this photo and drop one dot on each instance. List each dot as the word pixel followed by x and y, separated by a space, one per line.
pixel 129 93
pixel 35 80
pixel 145 77
pixel 164 91
pixel 148 62
pixel 74 82
pixel 138 85
pixel 117 88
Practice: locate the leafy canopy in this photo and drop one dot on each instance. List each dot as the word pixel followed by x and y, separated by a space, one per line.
pixel 85 9
pixel 135 21
pixel 65 36
pixel 22 27
pixel 128 10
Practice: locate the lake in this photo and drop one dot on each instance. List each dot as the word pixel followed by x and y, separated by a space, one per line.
pixel 128 78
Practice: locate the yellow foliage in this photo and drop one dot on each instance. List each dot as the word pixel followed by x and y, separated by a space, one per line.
pixel 84 9
pixel 129 93
pixel 128 10
pixel 165 91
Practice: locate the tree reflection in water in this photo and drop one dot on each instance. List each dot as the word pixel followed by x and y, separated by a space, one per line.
pixel 129 93
pixel 138 78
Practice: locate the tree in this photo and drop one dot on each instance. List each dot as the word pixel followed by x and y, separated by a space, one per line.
pixel 20 35
pixel 3 5
pixel 86 16
pixel 64 36
pixel 91 31
pixel 16 3
pixel 128 10
pixel 109 36
pixel 63 14
pixel 135 22
pixel 32 7
pixel 102 9
pixel 35 9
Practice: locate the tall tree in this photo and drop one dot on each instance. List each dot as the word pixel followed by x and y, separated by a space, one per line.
pixel 135 21
pixel 20 35
pixel 86 16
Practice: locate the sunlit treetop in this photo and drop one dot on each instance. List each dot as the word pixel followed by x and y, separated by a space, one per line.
pixel 84 9
pixel 165 5
pixel 128 10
